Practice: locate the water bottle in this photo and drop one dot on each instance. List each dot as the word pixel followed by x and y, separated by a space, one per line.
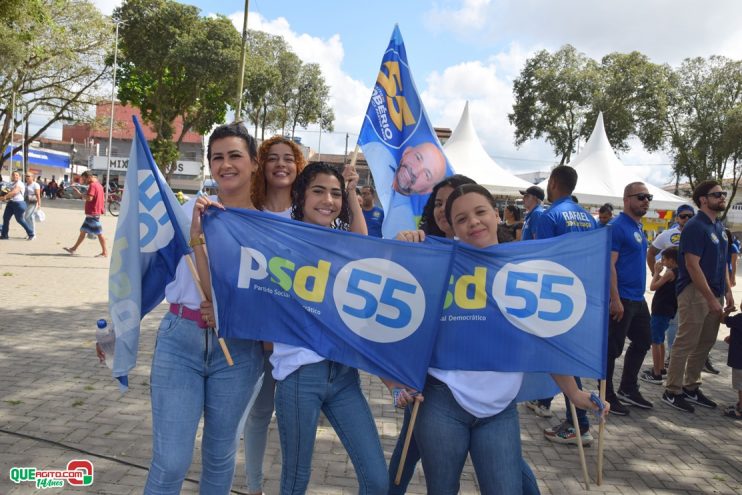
pixel 106 339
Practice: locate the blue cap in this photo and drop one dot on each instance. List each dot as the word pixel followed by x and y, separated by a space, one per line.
pixel 682 208
pixel 102 323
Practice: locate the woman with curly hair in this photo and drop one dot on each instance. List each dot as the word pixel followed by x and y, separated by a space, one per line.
pixel 280 162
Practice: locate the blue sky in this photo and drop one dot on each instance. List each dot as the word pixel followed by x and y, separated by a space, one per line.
pixel 472 49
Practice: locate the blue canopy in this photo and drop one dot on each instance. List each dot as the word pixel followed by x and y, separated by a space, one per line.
pixel 42 156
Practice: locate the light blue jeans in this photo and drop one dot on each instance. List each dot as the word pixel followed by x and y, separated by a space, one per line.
pixel 256 423
pixel 334 389
pixel 28 215
pixel 446 433
pixel 672 332
pixel 190 378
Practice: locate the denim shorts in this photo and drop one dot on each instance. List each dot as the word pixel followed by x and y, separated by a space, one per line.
pixel 659 325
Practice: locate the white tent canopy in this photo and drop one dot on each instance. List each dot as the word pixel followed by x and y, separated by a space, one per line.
pixel 468 157
pixel 602 176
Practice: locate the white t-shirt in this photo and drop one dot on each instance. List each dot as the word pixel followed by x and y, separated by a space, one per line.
pixel 288 358
pixel 480 393
pixel 183 290
pixel 21 192
pixel 31 192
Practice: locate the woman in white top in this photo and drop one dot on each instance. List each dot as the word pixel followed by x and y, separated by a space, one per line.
pixel 33 200
pixel 280 160
pixel 190 377
pixel 16 207
pixel 472 412
pixel 307 383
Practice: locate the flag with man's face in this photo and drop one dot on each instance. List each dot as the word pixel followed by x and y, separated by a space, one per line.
pixel 399 143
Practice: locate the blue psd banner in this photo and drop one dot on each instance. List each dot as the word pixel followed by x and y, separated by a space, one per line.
pixel 399 142
pixel 536 306
pixel 361 301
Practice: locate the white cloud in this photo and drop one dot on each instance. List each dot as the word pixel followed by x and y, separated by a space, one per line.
pixel 470 16
pixel 348 97
pixel 665 30
pixel 107 6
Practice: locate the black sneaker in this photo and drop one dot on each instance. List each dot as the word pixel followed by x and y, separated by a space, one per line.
pixel 649 377
pixel 709 368
pixel 635 399
pixel 617 408
pixel 664 370
pixel 697 397
pixel 677 401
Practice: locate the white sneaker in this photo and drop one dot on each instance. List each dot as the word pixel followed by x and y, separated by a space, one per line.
pixel 539 409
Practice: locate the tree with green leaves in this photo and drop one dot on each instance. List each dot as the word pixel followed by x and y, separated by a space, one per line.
pixel 554 99
pixel 311 100
pixel 52 62
pixel 175 63
pixel 703 122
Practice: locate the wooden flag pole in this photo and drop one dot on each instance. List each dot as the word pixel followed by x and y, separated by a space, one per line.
pixel 355 156
pixel 601 436
pixel 408 437
pixel 196 279
pixel 581 449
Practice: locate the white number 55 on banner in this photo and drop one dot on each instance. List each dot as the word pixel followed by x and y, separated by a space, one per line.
pixel 540 297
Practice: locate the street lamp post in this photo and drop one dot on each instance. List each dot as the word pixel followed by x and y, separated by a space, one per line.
pixel 113 111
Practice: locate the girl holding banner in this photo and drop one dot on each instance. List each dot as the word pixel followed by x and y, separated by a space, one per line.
pixel 473 412
pixel 307 383
pixel 280 160
pixel 190 375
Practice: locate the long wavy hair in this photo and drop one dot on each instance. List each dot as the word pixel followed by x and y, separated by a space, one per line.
pixel 259 183
pixel 427 220
pixel 299 193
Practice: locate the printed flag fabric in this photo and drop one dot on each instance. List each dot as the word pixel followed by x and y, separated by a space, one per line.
pixel 149 242
pixel 365 302
pixel 537 306
pixel 399 143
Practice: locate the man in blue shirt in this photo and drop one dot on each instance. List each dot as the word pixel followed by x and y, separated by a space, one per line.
pixel 563 216
pixel 629 313
pixel 605 214
pixel 532 198
pixel 702 287
pixel 373 214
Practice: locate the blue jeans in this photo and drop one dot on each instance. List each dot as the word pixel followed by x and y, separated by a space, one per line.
pixel 256 428
pixel 672 331
pixel 335 390
pixel 190 378
pixel 15 209
pixel 446 433
pixel 582 418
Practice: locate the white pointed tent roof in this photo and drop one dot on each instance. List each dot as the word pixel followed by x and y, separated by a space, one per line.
pixel 467 156
pixel 602 176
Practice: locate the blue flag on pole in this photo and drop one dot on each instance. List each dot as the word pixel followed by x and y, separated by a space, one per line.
pixel 399 143
pixel 547 299
pixel 150 240
pixel 361 301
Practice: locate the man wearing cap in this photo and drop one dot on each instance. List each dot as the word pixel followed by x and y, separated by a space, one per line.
pixel 666 239
pixel 702 287
pixel 532 198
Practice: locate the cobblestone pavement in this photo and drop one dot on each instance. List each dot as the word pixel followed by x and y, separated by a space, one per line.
pixel 57 403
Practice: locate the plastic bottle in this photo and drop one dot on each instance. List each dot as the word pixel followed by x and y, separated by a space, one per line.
pixel 106 338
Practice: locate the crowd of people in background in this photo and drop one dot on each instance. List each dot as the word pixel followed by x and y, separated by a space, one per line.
pixel 692 267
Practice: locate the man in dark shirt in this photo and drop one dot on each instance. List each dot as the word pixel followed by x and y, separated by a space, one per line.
pixel 628 309
pixel 702 287
pixel 373 214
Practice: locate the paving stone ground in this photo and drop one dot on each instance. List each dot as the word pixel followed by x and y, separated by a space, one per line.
pixel 57 403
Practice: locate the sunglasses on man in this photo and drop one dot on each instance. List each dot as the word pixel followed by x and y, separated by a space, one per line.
pixel 718 194
pixel 686 216
pixel 642 196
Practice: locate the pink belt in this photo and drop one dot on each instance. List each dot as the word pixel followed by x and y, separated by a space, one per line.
pixel 188 313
